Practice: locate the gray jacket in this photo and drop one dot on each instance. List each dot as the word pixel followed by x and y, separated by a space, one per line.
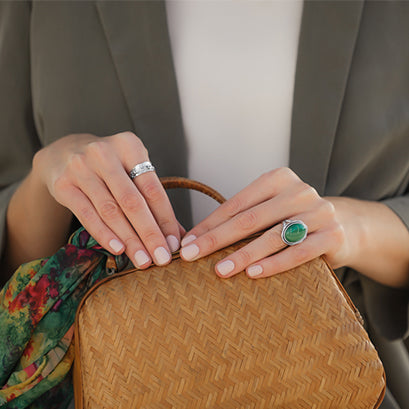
pixel 103 67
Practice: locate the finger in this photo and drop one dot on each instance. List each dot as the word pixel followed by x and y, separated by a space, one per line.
pixel 262 189
pixel 314 246
pixel 182 230
pixel 131 201
pixel 138 213
pixel 82 208
pixel 113 216
pixel 268 243
pixel 158 201
pixel 132 152
pixel 258 218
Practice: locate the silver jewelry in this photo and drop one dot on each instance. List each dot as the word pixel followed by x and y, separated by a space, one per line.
pixel 141 168
pixel 294 232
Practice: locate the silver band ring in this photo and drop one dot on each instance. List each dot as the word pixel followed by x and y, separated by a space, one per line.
pixel 294 232
pixel 140 169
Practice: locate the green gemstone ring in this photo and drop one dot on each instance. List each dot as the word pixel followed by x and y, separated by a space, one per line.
pixel 294 232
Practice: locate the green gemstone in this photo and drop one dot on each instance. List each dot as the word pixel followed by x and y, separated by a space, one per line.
pixel 295 232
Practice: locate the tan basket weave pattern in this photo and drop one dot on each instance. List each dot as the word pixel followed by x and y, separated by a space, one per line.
pixel 180 337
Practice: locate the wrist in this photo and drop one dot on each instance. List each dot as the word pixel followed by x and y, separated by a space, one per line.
pixel 351 216
pixel 377 240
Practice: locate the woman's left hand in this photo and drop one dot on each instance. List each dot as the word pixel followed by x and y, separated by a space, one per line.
pixel 264 204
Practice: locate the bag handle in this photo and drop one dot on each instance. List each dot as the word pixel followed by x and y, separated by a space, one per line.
pixel 173 182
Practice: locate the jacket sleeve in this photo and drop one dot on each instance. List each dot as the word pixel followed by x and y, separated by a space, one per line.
pixel 388 308
pixel 18 138
pixel 400 205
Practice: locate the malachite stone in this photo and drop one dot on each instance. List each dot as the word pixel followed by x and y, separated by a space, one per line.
pixel 295 232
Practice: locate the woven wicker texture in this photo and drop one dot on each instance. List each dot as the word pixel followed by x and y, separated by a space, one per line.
pixel 180 337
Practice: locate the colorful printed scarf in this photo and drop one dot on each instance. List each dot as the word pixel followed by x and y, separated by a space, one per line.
pixel 37 313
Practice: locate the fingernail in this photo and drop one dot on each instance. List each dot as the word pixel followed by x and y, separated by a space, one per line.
pixel 254 271
pixel 225 267
pixel 173 242
pixel 190 252
pixel 141 258
pixel 188 239
pixel 162 256
pixel 116 245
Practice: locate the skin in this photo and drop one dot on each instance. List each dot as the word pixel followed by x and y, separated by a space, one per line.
pixel 366 236
pixel 87 176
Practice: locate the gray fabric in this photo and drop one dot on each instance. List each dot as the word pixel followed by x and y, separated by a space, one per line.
pixel 5 195
pixel 18 138
pixel 105 67
pixel 351 117
pixel 71 405
pixel 326 47
pixel 389 402
pixel 394 356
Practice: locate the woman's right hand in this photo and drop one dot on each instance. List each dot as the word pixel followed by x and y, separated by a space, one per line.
pixel 89 175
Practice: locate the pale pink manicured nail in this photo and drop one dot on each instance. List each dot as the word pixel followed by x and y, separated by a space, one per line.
pixel 161 255
pixel 254 271
pixel 116 245
pixel 173 242
pixel 189 252
pixel 188 239
pixel 141 258
pixel 225 267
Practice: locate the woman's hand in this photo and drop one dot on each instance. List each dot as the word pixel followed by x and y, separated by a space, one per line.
pixel 89 176
pixel 337 228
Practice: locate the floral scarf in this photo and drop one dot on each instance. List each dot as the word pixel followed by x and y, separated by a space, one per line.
pixel 37 314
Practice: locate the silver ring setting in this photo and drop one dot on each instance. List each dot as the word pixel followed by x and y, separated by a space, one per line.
pixel 294 232
pixel 140 169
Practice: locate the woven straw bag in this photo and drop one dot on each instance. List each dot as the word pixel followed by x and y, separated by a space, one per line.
pixel 178 336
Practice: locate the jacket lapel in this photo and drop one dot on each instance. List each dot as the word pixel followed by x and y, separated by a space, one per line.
pixel 137 36
pixel 138 39
pixel 327 40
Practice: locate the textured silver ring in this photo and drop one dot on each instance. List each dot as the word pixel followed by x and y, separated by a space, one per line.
pixel 140 169
pixel 294 232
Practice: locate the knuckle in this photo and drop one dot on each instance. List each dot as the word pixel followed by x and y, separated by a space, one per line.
pixel 60 183
pixel 151 236
pixel 209 241
pixel 126 135
pixel 38 158
pixel 86 215
pixel 167 225
pixel 267 176
pixel 301 255
pixel 100 235
pixel 152 192
pixel 131 242
pixel 313 192
pixel 338 233
pixel 328 208
pixel 96 149
pixel 232 206
pixel 243 257
pixel 131 139
pixel 306 191
pixel 270 178
pixel 130 202
pixel 247 220
pixel 277 178
pixel 109 210
pixel 285 173
pixel 273 239
pixel 76 162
